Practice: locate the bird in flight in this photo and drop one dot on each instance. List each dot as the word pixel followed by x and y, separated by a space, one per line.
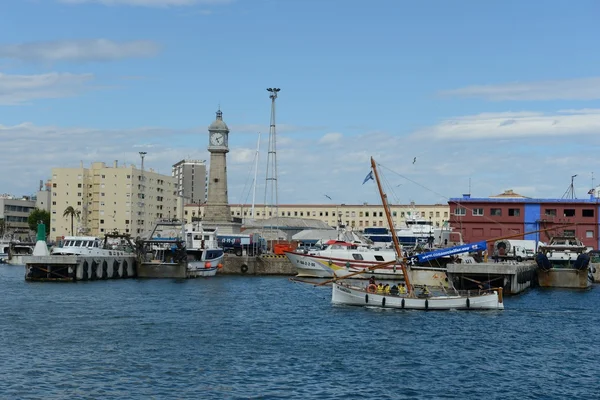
pixel 328 197
pixel 414 160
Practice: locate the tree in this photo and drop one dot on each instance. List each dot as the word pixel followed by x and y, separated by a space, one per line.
pixel 36 216
pixel 2 226
pixel 73 213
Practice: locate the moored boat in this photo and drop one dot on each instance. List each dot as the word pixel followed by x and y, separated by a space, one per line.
pixel 204 256
pixel 564 263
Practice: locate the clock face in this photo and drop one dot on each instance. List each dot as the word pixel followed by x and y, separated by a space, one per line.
pixel 217 139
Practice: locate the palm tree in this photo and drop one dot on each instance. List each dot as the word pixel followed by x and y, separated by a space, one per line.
pixel 73 213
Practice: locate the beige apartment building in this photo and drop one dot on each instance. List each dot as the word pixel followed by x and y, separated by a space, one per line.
pixel 358 217
pixel 118 198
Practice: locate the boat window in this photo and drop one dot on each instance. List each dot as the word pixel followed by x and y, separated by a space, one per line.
pixel 95 244
pixel 196 237
pixel 78 243
pixel 357 256
pixel 379 258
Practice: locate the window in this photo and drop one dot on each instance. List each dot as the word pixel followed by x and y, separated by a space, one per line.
pixel 54 185
pixel 569 232
pixel 460 211
pixel 379 258
pixel 401 214
pixel 496 212
pixel 514 212
pixel 358 257
pixel 550 212
pixel 478 212
pixel 366 213
pixel 589 234
pixel 587 213
pixel 569 212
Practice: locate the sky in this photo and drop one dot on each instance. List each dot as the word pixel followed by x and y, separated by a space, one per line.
pixel 448 97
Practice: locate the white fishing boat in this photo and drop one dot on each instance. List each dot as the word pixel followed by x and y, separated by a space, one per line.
pixel 204 255
pixel 92 246
pixel 349 294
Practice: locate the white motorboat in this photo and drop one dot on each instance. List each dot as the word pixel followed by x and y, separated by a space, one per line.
pixel 341 258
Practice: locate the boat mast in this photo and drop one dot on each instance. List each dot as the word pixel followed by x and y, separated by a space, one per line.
pixel 397 247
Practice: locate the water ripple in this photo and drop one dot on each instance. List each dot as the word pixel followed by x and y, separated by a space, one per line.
pixel 268 338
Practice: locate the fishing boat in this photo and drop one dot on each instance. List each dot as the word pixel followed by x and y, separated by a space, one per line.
pixel 162 253
pixel 350 294
pixel 564 262
pixel 204 256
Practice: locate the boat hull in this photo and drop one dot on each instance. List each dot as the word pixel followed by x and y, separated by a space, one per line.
pixel 312 266
pixel 565 278
pixel 204 268
pixel 343 294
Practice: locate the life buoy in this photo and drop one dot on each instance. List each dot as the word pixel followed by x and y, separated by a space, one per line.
pixel 372 288
pixel 244 268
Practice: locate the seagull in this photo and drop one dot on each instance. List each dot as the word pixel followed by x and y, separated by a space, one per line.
pixel 414 160
pixel 328 197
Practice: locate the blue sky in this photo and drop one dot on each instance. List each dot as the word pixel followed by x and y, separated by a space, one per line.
pixel 496 94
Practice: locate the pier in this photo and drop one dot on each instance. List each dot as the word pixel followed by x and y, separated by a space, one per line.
pixel 79 268
pixel 514 277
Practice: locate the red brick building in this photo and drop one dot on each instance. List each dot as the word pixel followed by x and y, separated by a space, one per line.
pixel 510 213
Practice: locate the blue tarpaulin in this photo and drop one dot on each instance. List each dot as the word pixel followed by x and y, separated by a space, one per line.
pixel 463 248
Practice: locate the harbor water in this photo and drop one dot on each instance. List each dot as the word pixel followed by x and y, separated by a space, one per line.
pixel 238 337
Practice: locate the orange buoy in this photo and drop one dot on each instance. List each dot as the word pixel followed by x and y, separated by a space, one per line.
pixel 220 266
pixel 207 265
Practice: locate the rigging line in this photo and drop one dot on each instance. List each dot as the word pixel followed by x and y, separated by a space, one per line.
pixel 485 217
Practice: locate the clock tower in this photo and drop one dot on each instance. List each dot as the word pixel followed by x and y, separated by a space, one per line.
pixel 216 210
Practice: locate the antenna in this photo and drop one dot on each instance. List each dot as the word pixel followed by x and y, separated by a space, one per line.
pixel 271 177
pixel 570 193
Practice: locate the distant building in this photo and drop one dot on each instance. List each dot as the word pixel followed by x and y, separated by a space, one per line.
pixel 15 212
pixel 190 180
pixel 118 198
pixel 521 217
pixel 358 216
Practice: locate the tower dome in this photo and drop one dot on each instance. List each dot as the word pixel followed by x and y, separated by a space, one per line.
pixel 218 124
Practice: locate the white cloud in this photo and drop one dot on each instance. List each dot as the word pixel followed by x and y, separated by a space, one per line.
pixel 331 138
pixel 79 50
pixel 19 89
pixel 517 125
pixel 535 166
pixel 149 3
pixel 567 89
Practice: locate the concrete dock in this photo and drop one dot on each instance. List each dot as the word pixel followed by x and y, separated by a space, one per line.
pixel 514 277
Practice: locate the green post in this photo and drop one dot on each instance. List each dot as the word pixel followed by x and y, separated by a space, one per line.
pixel 41 232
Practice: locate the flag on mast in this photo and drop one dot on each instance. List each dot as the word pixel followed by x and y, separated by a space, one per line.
pixel 368 177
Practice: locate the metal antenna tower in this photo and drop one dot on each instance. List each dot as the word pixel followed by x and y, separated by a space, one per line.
pixel 271 178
